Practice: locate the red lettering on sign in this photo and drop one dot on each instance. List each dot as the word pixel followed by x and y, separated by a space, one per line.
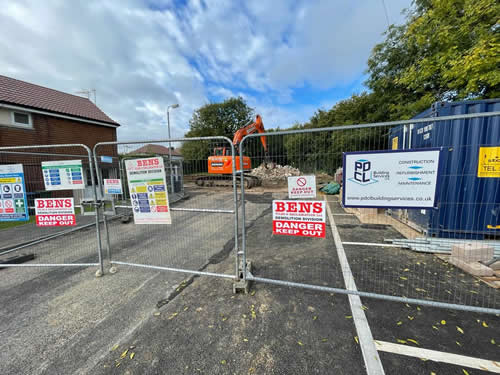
pixel 299 228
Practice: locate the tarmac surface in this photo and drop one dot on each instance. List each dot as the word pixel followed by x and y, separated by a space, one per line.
pixel 138 321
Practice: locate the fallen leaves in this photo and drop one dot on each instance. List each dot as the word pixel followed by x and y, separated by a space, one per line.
pixel 300 343
pixel 223 362
pixel 413 341
pixel 443 322
pixel 173 315
pixel 348 316
pixel 460 330
pixel 356 339
pixel 485 325
pixel 411 317
pixel 114 348
pixel 399 323
pixel 156 313
pixel 124 354
pixel 132 355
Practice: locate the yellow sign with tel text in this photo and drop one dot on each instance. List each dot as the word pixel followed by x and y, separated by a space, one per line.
pixel 488 164
pixel 395 143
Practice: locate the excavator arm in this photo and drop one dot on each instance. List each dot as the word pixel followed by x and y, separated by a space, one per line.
pixel 256 127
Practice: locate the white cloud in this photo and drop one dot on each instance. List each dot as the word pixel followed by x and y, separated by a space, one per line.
pixel 143 56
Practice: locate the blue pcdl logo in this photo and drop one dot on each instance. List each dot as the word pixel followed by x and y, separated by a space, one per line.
pixel 362 172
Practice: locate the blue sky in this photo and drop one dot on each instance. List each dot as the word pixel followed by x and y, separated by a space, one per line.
pixel 286 58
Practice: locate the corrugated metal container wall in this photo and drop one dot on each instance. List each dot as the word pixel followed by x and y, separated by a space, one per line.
pixel 468 206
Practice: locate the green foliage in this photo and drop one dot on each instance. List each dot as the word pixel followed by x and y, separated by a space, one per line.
pixel 322 151
pixel 213 119
pixel 447 50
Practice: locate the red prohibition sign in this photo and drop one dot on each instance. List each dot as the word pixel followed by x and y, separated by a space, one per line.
pixel 301 181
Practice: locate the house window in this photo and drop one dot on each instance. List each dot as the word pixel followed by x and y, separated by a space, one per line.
pixel 22 119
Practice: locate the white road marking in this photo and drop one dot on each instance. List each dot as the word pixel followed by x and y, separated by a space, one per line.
pixel 433 355
pixel 370 354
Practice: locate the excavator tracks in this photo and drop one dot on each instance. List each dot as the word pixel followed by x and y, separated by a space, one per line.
pixel 227 180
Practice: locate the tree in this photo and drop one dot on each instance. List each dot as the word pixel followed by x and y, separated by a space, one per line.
pixel 322 151
pixel 447 50
pixel 213 119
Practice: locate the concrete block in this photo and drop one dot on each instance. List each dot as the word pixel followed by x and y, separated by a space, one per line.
pixel 472 252
pixel 474 268
pixel 495 266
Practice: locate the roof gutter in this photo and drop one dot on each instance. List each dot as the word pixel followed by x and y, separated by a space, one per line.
pixel 24 109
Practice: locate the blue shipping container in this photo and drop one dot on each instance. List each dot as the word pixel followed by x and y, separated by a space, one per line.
pixel 468 205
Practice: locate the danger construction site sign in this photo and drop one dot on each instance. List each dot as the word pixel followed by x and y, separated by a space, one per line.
pixel 299 218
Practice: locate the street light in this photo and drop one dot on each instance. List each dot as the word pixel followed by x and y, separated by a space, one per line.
pixel 173 106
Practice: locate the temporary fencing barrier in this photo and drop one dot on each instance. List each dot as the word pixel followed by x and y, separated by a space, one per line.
pixel 383 186
pixel 202 223
pixel 65 172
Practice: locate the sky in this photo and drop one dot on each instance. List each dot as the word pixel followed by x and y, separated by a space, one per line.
pixel 287 59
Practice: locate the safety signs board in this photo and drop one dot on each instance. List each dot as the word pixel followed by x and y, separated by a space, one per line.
pixel 112 186
pixel 63 175
pixel 488 164
pixel 13 206
pixel 55 212
pixel 148 191
pixel 396 179
pixel 299 218
pixel 301 187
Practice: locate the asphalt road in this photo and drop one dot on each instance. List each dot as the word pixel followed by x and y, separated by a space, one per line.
pixel 62 320
pixel 140 321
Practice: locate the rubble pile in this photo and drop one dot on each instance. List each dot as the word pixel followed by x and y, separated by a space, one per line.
pixel 279 173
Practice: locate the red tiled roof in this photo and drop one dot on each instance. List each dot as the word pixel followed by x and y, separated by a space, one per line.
pixel 13 91
pixel 156 149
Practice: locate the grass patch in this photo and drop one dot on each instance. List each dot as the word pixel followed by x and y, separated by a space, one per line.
pixel 11 224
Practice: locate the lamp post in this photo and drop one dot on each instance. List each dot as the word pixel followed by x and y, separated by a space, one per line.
pixel 173 106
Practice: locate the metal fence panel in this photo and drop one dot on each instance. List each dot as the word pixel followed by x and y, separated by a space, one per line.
pixel 202 207
pixel 23 243
pixel 392 253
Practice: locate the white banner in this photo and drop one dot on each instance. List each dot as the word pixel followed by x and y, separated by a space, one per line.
pixel 395 179
pixel 301 187
pixel 148 191
pixel 63 175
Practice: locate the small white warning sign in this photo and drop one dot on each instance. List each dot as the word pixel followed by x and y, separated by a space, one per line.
pixel 301 187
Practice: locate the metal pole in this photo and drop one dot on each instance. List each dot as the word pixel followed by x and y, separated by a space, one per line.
pixel 100 272
pixel 243 213
pixel 170 153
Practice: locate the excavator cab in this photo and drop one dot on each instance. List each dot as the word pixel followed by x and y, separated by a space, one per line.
pixel 221 151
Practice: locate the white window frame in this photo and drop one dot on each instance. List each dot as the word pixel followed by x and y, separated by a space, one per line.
pixel 21 124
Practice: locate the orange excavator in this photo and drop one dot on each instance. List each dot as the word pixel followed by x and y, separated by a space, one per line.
pixel 220 164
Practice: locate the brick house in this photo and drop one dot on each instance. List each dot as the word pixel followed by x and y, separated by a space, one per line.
pixel 36 115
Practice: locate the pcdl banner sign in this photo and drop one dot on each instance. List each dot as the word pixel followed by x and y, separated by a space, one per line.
pixel 394 179
pixel 55 212
pixel 299 218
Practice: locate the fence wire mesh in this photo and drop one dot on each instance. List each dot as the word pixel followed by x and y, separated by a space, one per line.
pixel 201 206
pixel 443 254
pixel 25 243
